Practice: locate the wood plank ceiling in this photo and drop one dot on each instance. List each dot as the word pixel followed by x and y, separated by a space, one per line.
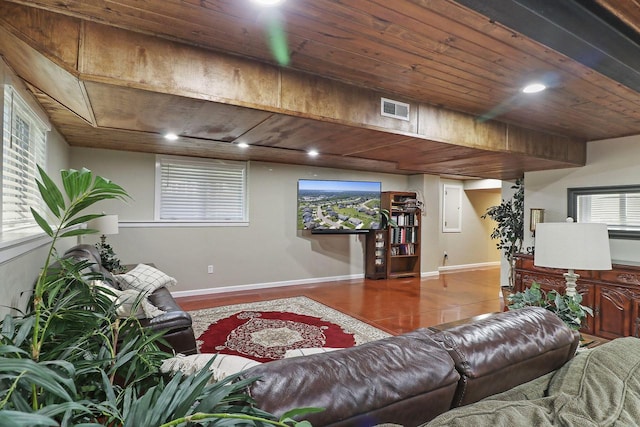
pixel 117 74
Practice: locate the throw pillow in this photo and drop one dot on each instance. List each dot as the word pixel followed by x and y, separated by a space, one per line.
pixel 145 278
pixel 129 302
pixel 223 364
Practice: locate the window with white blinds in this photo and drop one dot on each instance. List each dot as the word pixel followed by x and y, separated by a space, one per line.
pixel 191 190
pixel 618 207
pixel 24 147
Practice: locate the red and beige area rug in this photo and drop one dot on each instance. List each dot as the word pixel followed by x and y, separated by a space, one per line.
pixel 265 330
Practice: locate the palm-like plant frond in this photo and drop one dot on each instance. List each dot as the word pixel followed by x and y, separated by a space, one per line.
pixel 69 360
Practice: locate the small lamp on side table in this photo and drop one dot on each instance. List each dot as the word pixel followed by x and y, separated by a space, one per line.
pixel 572 246
pixel 106 224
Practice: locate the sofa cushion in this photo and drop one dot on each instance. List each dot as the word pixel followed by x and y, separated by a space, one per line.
pixel 506 349
pixel 406 379
pixel 598 387
pixel 145 278
pixel 129 302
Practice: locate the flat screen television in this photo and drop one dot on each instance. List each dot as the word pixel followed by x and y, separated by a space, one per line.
pixel 338 206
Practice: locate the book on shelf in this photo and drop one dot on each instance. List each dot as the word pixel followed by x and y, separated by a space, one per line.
pixel 403 249
pixel 404 235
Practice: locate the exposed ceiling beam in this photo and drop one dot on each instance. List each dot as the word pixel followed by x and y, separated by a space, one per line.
pixel 582 30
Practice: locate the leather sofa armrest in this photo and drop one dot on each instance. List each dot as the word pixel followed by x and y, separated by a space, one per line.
pixel 174 318
pixel 407 379
pixel 506 349
pixel 176 322
pixel 163 299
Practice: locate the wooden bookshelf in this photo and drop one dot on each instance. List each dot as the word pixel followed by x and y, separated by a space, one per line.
pixel 401 244
pixel 376 253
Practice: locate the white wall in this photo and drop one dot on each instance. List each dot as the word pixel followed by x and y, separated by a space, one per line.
pixel 469 248
pixel 270 249
pixel 472 245
pixel 427 189
pixel 609 162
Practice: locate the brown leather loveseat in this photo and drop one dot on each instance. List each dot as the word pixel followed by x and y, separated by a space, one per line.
pixel 175 321
pixel 412 378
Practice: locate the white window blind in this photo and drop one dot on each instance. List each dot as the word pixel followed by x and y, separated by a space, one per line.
pixel 24 147
pixel 619 210
pixel 201 190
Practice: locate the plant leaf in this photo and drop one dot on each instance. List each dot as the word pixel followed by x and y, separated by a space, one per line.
pixel 44 225
pixel 10 418
pixel 300 411
pixel 50 193
pixel 82 219
pixel 76 182
pixel 78 232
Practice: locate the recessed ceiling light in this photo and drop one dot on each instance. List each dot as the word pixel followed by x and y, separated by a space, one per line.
pixel 243 144
pixel 171 136
pixel 312 153
pixel 533 88
pixel 268 2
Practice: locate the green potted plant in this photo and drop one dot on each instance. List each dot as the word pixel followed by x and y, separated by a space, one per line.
pixel 108 257
pixel 386 219
pixel 68 359
pixel 566 307
pixel 509 229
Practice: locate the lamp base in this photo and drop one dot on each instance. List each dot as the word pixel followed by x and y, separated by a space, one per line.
pixel 570 277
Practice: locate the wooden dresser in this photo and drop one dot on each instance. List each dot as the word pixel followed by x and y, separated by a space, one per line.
pixel 613 295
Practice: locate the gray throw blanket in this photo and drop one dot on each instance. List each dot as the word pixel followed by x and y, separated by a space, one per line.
pixel 599 387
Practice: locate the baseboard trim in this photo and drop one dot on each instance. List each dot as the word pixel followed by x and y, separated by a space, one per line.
pixel 429 274
pixel 267 285
pixel 477 266
pixel 254 286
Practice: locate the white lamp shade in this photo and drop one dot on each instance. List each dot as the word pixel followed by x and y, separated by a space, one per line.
pixel 569 245
pixel 107 224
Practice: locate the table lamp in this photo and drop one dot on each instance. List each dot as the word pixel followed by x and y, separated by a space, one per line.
pixel 106 224
pixel 572 246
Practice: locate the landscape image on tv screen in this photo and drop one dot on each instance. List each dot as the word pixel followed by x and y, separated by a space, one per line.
pixel 338 206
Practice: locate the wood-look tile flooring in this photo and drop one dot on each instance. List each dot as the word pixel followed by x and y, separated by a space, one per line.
pixel 395 305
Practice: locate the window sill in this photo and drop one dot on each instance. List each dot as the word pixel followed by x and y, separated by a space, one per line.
pixel 150 224
pixel 16 243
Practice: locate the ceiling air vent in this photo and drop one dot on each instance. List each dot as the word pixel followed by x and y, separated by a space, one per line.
pixel 395 109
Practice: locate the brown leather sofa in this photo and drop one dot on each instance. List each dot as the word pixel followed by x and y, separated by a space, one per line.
pixel 412 378
pixel 175 321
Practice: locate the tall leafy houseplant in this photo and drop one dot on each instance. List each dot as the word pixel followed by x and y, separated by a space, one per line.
pixel 69 360
pixel 509 229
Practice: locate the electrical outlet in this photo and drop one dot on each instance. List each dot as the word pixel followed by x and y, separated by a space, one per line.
pixel 210 269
